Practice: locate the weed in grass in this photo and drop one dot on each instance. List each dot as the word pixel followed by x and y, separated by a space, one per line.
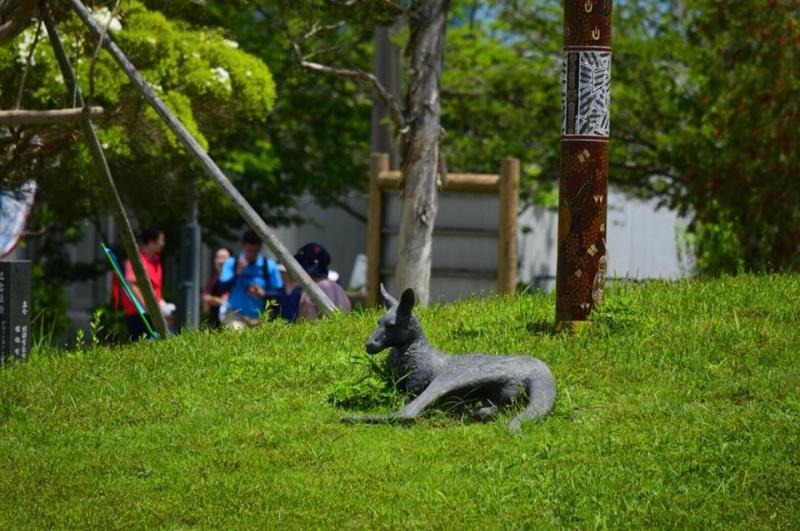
pixel 374 386
pixel 616 313
pixel 43 332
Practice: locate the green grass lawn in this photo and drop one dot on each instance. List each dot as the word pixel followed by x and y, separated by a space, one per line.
pixel 679 409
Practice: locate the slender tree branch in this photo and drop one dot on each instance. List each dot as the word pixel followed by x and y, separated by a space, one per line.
pixel 365 79
pixel 27 68
pixel 350 210
pixel 17 19
pixel 333 50
pixel 318 28
pixel 96 54
pixel 400 10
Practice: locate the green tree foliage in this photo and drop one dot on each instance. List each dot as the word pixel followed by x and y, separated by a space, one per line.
pixel 751 112
pixel 218 91
pixel 706 94
pixel 705 99
pixel 214 88
pixel 316 140
pixel 502 91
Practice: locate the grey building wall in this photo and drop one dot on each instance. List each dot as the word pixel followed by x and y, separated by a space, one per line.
pixel 342 234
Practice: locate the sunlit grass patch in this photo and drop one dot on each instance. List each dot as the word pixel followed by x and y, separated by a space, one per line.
pixel 679 409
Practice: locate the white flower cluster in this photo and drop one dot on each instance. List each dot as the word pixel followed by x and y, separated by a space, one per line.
pixel 222 76
pixel 103 17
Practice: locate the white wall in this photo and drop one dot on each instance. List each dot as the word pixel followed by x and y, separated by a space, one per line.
pixel 642 242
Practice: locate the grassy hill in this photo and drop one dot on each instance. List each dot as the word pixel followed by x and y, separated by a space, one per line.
pixel 679 409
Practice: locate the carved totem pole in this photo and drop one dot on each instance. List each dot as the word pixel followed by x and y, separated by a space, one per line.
pixel 586 83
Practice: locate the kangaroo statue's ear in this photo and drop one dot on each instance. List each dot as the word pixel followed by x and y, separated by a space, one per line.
pixel 387 298
pixel 407 301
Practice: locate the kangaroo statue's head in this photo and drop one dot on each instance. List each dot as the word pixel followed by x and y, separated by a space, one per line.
pixel 396 327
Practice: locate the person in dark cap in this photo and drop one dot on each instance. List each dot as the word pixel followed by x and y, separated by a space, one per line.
pixel 316 260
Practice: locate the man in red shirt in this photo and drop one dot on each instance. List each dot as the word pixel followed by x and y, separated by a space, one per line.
pixel 152 243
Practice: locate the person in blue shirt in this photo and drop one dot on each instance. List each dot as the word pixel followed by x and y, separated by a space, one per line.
pixel 252 280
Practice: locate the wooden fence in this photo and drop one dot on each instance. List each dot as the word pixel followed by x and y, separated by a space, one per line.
pixel 483 192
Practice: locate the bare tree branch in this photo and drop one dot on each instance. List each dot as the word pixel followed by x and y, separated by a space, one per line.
pixel 318 28
pixel 400 10
pixel 365 79
pixel 96 54
pixel 27 68
pixel 347 209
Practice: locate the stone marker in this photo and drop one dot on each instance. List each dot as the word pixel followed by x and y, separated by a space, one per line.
pixel 15 310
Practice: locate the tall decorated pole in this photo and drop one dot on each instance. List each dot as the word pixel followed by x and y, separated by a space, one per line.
pixel 583 188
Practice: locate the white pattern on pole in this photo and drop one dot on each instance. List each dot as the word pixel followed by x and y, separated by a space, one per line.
pixel 586 93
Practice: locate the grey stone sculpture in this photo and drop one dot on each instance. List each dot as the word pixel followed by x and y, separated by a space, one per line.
pixel 431 376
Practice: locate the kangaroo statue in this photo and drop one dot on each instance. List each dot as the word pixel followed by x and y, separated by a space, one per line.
pixel 430 375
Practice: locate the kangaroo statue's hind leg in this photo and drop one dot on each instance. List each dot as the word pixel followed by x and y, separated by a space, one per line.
pixel 541 393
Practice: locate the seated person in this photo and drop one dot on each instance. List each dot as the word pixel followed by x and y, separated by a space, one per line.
pixel 290 297
pixel 214 297
pixel 315 260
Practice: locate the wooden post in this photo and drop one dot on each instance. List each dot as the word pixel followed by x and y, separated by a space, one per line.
pixel 379 163
pixel 55 116
pixel 209 166
pixel 474 183
pixel 507 228
pixel 106 181
pixel 583 187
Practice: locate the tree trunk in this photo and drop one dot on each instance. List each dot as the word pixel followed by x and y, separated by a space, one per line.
pixel 420 150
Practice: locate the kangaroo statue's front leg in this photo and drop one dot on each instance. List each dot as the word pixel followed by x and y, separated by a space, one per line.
pixel 436 390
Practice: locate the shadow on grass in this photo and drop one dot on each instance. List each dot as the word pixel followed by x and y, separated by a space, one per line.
pixel 371 395
pixel 542 327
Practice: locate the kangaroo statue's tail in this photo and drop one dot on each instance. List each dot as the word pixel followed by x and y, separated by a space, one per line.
pixel 541 389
